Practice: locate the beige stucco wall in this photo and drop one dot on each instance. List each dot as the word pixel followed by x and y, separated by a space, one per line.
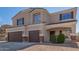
pixel 28 17
pixel 71 25
pixel 46 17
pixel 39 27
pixel 54 17
pixel 16 29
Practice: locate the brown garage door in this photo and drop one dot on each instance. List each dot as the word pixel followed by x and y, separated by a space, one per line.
pixel 15 36
pixel 34 36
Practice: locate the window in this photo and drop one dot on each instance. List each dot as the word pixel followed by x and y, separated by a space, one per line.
pixel 20 22
pixel 66 16
pixel 36 18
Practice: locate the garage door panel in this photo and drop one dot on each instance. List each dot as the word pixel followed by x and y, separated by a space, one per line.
pixel 15 36
pixel 34 36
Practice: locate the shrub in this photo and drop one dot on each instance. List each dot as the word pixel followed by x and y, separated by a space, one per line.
pixel 53 38
pixel 61 38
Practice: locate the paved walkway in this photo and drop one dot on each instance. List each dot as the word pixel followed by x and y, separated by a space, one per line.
pixel 13 46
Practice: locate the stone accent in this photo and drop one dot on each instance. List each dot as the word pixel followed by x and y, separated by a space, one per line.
pixel 41 38
pixel 25 39
pixel 73 38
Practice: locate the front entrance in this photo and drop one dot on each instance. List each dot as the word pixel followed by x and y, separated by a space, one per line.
pixel 52 36
pixel 34 36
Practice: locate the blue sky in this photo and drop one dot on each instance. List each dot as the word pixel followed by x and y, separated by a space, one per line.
pixel 6 13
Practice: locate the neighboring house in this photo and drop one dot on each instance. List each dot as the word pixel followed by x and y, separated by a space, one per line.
pixel 3 28
pixel 37 24
pixel 3 33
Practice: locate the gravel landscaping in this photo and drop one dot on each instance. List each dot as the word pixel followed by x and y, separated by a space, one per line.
pixel 50 47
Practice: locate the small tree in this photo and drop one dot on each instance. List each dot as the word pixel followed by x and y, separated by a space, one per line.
pixel 61 38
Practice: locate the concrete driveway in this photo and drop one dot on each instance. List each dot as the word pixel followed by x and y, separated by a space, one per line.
pixel 13 46
pixel 26 46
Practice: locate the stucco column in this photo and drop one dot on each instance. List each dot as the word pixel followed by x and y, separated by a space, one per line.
pixel 74 29
pixel 46 36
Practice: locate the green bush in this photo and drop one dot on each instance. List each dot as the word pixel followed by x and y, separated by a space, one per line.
pixel 61 38
pixel 53 38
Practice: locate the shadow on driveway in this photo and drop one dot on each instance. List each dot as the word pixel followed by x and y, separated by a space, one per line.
pixel 14 46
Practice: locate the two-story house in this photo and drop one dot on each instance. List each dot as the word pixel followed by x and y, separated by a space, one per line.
pixel 37 24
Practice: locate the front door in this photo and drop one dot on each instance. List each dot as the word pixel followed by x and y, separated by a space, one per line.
pixel 52 36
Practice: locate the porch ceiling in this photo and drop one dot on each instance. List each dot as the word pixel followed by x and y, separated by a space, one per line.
pixel 57 28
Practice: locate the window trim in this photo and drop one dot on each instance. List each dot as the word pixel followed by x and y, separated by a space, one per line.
pixel 34 18
pixel 61 16
pixel 20 19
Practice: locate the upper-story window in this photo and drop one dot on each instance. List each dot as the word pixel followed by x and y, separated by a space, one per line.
pixel 20 22
pixel 36 18
pixel 66 16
